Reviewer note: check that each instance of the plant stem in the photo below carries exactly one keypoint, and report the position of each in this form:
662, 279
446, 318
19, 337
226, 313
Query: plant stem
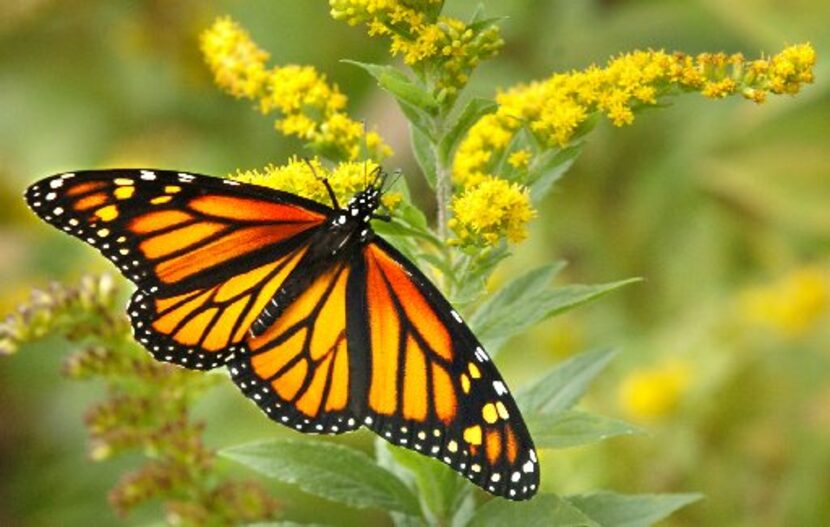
443, 193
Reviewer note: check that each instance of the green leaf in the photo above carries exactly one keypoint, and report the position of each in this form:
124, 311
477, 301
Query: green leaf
441, 489
473, 271
505, 320
544, 510
416, 103
563, 386
477, 21
514, 293
284, 524
398, 84
639, 510
470, 115
571, 428
424, 155
328, 470
551, 170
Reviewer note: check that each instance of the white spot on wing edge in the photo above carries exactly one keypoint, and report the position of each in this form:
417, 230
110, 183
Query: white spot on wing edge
500, 388
456, 316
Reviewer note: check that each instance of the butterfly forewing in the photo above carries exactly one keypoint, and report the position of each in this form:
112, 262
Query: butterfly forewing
207, 254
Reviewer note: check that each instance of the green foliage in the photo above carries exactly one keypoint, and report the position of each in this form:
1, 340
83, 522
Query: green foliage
573, 428
526, 301
607, 508
565, 384
327, 470
543, 511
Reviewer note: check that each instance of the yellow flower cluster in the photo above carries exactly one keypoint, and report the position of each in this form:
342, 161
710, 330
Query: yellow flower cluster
492, 210
793, 305
419, 35
310, 108
298, 177
654, 393
555, 109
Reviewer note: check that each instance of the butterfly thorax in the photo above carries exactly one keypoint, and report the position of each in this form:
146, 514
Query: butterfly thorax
350, 224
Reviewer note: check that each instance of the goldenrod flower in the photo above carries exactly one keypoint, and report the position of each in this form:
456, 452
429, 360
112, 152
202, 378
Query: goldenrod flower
422, 37
310, 107
653, 393
492, 210
304, 178
793, 305
555, 109
520, 158
238, 65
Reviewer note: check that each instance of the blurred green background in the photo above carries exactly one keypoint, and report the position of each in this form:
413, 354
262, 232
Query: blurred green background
722, 206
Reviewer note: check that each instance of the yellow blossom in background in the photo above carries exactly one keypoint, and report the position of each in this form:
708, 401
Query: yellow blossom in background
297, 177
493, 210
310, 108
555, 109
793, 305
421, 37
654, 393
520, 158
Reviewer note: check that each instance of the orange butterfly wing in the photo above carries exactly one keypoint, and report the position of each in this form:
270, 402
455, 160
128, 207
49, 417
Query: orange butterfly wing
207, 254
300, 370
432, 388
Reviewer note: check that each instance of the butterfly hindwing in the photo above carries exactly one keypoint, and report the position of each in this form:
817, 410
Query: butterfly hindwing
299, 370
207, 254
432, 388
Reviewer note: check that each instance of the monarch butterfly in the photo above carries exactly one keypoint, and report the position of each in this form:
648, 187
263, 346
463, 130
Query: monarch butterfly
322, 323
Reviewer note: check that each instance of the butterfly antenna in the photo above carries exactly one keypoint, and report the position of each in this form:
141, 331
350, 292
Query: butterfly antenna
365, 146
325, 182
396, 175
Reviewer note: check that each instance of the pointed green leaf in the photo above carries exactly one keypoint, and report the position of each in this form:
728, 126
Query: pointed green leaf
285, 524
537, 306
544, 510
571, 428
398, 84
424, 155
439, 487
415, 102
514, 293
563, 386
328, 470
470, 115
473, 273
638, 510
550, 170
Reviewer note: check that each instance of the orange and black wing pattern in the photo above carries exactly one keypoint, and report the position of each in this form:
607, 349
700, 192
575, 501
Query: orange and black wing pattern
300, 371
430, 385
207, 254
